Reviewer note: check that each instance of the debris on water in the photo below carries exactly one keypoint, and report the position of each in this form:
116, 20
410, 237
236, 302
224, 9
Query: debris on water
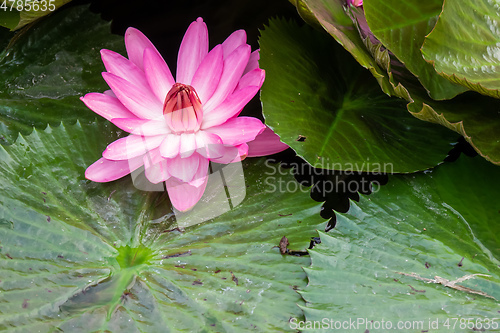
283, 246
234, 278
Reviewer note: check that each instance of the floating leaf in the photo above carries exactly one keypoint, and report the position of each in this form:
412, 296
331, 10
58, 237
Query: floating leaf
332, 112
423, 248
81, 256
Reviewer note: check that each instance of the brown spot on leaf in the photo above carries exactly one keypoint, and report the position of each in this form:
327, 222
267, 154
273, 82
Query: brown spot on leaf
427, 265
25, 303
234, 278
197, 283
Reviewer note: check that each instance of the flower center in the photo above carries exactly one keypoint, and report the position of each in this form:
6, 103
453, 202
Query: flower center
182, 109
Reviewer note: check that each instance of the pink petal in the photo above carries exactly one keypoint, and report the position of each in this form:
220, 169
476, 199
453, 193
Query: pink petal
131, 146
193, 49
120, 66
109, 92
158, 74
184, 196
253, 62
184, 169
106, 106
136, 43
209, 145
237, 38
170, 146
158, 172
142, 127
234, 65
156, 167
253, 78
201, 174
238, 130
266, 143
152, 157
232, 154
207, 76
139, 101
104, 170
231, 107
188, 144
242, 152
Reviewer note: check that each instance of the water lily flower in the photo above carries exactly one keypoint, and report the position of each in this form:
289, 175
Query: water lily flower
178, 125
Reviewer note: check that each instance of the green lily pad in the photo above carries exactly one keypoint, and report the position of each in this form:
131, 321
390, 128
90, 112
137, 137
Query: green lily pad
49, 67
81, 256
332, 112
401, 26
423, 250
464, 45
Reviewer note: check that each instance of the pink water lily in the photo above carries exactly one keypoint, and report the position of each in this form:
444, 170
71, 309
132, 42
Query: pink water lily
177, 126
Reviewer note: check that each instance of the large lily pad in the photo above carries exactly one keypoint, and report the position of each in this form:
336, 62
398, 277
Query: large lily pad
331, 111
410, 252
401, 26
464, 45
48, 67
80, 256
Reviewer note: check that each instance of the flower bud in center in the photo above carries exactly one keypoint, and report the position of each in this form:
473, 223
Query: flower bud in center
182, 109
